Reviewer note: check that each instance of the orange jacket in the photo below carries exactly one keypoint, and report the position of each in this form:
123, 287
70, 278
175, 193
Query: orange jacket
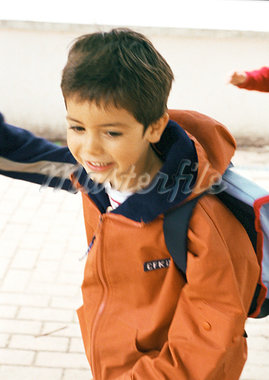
153, 325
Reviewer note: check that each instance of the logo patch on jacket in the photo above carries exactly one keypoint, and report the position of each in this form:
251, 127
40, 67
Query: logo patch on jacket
156, 264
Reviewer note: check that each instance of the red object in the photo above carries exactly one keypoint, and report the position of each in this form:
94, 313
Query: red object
257, 80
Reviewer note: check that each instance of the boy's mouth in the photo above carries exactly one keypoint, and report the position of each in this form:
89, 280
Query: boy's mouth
99, 166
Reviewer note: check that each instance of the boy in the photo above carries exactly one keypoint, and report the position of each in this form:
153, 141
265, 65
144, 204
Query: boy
141, 317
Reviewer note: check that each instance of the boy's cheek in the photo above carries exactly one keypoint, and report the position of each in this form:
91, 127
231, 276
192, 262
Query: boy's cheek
72, 149
74, 155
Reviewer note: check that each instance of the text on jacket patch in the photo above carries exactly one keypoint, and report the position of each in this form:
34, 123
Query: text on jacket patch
156, 264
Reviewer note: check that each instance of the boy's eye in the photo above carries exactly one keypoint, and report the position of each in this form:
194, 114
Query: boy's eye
113, 134
76, 128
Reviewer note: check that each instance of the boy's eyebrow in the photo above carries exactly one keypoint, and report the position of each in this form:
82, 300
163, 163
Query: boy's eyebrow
116, 124
71, 119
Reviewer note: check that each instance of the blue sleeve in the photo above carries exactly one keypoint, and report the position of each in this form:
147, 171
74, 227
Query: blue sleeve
34, 159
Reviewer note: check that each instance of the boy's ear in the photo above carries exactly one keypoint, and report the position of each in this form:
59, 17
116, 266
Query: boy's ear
155, 130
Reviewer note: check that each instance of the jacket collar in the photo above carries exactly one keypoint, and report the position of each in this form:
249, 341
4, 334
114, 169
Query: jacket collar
171, 185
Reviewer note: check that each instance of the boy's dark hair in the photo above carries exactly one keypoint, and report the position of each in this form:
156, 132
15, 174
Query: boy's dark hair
120, 67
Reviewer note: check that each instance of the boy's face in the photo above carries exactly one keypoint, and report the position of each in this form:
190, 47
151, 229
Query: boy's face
111, 144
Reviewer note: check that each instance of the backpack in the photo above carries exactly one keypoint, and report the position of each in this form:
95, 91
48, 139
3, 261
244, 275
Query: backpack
250, 204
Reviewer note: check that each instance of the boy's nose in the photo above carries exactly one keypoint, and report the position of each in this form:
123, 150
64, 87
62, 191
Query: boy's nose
92, 146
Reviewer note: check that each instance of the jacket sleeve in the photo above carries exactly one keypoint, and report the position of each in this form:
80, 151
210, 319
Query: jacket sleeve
257, 80
27, 157
205, 339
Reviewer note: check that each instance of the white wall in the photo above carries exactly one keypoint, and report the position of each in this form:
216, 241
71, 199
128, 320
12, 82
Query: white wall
33, 55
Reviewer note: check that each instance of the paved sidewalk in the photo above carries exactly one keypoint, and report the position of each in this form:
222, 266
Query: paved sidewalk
41, 241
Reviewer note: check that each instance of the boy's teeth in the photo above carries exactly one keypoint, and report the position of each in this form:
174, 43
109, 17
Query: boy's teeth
98, 163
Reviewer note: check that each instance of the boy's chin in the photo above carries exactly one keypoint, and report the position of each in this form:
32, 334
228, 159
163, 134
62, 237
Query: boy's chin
118, 182
99, 177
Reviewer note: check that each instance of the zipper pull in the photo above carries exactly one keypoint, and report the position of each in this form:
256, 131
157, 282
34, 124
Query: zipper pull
88, 250
91, 243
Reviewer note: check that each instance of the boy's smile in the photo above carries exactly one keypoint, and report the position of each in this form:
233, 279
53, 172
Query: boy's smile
111, 144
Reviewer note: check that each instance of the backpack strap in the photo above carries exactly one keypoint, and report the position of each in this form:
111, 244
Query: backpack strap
175, 228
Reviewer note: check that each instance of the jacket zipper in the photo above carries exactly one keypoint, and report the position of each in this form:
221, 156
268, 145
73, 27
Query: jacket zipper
99, 313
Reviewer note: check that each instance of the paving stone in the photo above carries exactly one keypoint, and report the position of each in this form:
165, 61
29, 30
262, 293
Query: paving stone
42, 343
16, 280
8, 247
23, 299
3, 340
21, 216
25, 259
8, 311
8, 207
13, 326
17, 357
258, 357
31, 202
71, 374
4, 264
70, 330
52, 289
255, 372
42, 225
259, 343
61, 360
71, 303
76, 345
70, 278
9, 232
32, 240
30, 373
45, 314
53, 251
257, 327
46, 271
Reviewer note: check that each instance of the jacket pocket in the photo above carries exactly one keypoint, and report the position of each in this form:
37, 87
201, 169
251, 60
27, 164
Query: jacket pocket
117, 348
235, 358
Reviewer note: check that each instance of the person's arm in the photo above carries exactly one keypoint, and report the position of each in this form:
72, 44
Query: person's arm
30, 158
257, 80
205, 339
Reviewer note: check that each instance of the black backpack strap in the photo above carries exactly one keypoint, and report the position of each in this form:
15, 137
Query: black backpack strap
175, 228
264, 309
